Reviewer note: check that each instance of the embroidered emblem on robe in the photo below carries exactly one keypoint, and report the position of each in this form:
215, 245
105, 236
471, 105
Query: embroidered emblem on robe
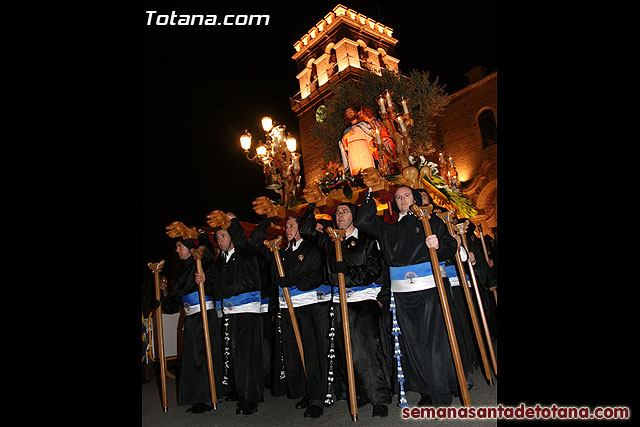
410, 276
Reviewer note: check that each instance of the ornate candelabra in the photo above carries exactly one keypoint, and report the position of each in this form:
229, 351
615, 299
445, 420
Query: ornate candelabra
399, 124
404, 121
281, 164
448, 171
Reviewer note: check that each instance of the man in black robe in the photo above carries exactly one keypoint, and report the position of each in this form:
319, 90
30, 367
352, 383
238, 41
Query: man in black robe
194, 380
457, 301
486, 277
363, 275
460, 310
427, 362
237, 283
303, 266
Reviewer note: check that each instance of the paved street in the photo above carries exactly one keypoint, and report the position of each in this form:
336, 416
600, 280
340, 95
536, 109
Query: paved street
280, 411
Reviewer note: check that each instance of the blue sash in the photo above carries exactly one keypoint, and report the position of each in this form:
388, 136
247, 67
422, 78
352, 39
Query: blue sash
359, 293
264, 305
247, 302
194, 298
243, 298
451, 271
410, 278
452, 274
300, 298
293, 290
191, 303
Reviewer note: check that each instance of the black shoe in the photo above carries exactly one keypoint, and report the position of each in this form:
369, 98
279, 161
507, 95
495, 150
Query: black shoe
425, 400
247, 409
313, 411
303, 403
380, 411
199, 408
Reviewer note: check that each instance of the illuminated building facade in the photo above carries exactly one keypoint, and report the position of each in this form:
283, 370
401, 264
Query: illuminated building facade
345, 43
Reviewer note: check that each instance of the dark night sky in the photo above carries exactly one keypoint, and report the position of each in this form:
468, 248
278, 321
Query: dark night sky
202, 86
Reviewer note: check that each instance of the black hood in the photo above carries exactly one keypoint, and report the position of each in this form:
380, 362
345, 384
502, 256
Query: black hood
353, 208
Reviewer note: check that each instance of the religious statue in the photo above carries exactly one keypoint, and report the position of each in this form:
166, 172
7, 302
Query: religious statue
384, 149
356, 143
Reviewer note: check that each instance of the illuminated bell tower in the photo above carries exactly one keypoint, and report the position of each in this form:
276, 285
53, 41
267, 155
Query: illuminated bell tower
338, 48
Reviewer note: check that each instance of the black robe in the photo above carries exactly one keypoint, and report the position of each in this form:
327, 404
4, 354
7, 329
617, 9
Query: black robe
462, 308
238, 275
364, 262
426, 355
486, 277
304, 269
194, 380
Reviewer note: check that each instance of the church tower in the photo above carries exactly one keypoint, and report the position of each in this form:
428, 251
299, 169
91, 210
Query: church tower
338, 48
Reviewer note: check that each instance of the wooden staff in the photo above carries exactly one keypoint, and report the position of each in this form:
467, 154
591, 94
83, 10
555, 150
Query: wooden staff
337, 236
155, 269
274, 246
423, 213
197, 255
472, 311
462, 229
486, 257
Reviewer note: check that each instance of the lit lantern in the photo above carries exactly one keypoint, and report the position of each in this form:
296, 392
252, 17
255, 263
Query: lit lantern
267, 123
291, 144
245, 140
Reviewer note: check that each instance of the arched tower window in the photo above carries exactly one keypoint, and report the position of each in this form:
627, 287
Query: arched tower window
313, 78
333, 63
488, 130
362, 56
382, 65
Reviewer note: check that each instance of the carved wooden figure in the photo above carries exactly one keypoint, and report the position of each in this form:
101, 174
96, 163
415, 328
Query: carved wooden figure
218, 218
264, 206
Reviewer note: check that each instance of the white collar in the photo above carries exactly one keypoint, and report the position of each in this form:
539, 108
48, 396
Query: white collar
296, 245
229, 253
354, 233
400, 216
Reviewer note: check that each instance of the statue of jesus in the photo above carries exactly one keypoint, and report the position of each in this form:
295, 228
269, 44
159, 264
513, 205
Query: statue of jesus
356, 143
